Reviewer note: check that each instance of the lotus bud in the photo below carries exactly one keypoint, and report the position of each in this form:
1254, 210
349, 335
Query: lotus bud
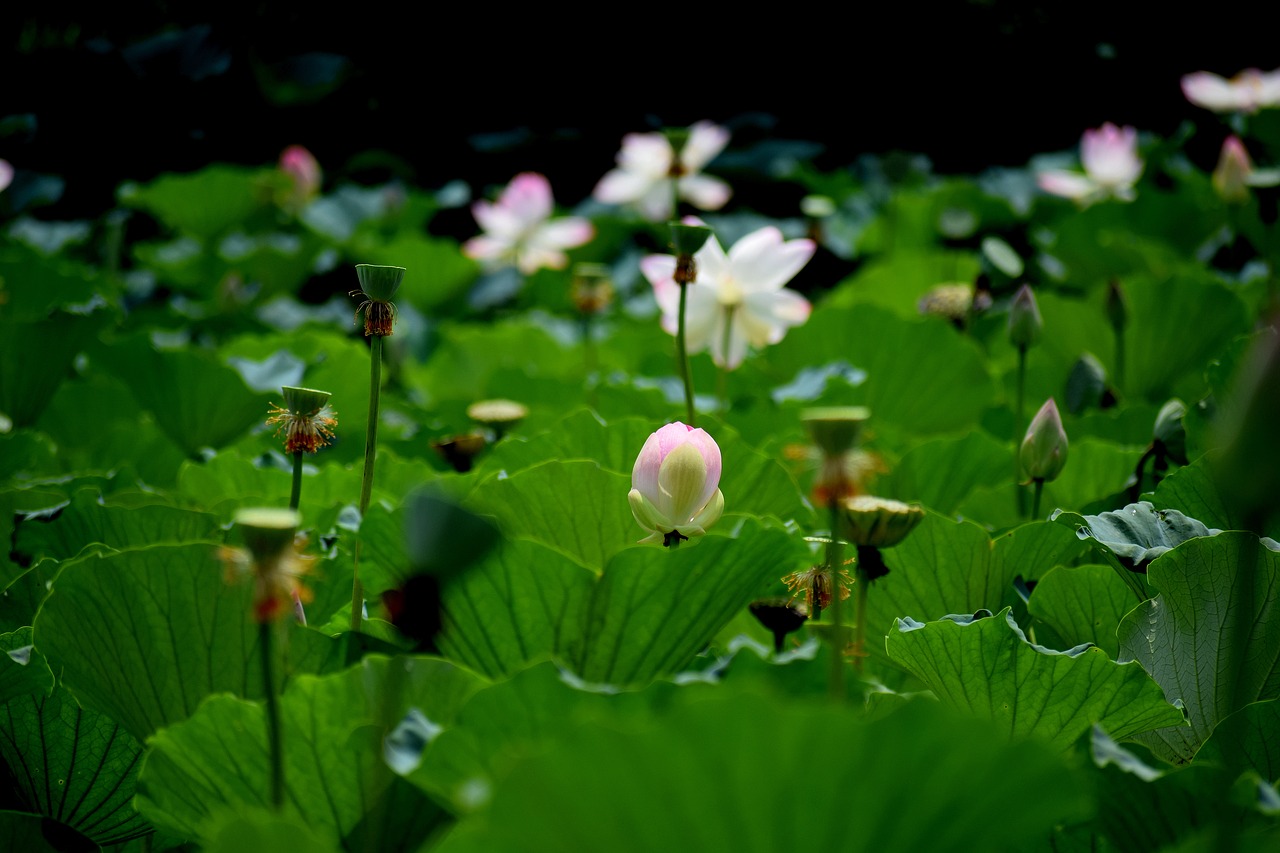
1044, 449
1087, 384
303, 169
1117, 311
1025, 325
1169, 432
675, 491
871, 522
1231, 176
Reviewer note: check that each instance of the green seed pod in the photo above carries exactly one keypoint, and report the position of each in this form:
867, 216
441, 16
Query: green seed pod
871, 522
835, 429
379, 282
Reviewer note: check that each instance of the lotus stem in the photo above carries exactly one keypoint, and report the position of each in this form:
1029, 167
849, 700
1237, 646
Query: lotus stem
296, 494
370, 457
1019, 427
860, 613
275, 746
1035, 506
835, 558
682, 358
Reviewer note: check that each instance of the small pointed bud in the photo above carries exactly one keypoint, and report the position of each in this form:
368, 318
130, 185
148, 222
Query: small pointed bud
1025, 325
1117, 310
871, 522
675, 484
1169, 431
379, 282
835, 429
1231, 176
1086, 384
1044, 449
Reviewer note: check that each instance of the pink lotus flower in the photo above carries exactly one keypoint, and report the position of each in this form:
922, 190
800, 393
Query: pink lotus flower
675, 483
1247, 92
299, 164
6, 174
650, 173
1111, 164
739, 296
519, 228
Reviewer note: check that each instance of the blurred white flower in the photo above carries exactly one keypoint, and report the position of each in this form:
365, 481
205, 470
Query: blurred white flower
519, 229
1111, 163
740, 295
1247, 92
650, 173
6, 174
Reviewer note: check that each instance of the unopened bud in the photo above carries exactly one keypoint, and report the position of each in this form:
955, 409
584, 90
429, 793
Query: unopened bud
1044, 448
1025, 324
1231, 176
1169, 431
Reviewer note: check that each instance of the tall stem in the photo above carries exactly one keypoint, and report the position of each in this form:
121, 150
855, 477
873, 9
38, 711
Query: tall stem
296, 494
370, 456
1019, 427
835, 559
860, 613
682, 357
275, 746
1035, 506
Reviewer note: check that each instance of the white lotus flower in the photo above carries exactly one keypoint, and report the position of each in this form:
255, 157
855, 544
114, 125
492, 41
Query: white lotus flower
650, 173
519, 228
6, 174
1111, 163
738, 299
1247, 92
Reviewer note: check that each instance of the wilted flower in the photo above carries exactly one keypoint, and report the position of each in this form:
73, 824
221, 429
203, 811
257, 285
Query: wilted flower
1247, 92
519, 229
6, 174
739, 296
271, 558
305, 419
303, 170
651, 172
1044, 448
1111, 164
1025, 324
378, 284
815, 584
675, 484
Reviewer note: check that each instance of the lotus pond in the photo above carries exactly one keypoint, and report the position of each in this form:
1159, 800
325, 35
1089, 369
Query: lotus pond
935, 514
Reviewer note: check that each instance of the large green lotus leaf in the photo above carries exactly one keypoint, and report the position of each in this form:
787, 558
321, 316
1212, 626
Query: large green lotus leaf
23, 670
717, 767
13, 502
522, 602
1249, 739
26, 455
1208, 639
33, 833
941, 473
1166, 354
273, 261
384, 562
654, 609
437, 271
204, 203
575, 506
260, 829
337, 782
897, 281
922, 377
468, 355
34, 359
35, 285
1193, 490
947, 566
73, 765
1083, 605
196, 400
752, 483
986, 667
96, 424
88, 521
1100, 244
145, 635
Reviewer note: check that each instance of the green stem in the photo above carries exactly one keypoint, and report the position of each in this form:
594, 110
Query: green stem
860, 613
682, 357
835, 560
370, 456
274, 744
1035, 506
1019, 427
296, 494
1120, 357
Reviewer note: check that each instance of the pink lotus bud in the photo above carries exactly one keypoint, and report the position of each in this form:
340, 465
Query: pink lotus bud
299, 164
674, 484
1044, 448
6, 174
1231, 177
1025, 324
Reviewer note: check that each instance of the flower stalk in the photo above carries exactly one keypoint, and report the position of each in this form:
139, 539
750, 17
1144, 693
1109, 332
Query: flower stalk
685, 241
378, 284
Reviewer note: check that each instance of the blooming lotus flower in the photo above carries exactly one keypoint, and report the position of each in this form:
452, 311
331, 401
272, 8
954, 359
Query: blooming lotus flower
519, 228
1247, 92
675, 484
1111, 164
651, 173
740, 295
6, 174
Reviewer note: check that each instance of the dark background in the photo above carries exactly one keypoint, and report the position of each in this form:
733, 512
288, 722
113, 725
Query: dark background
432, 93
